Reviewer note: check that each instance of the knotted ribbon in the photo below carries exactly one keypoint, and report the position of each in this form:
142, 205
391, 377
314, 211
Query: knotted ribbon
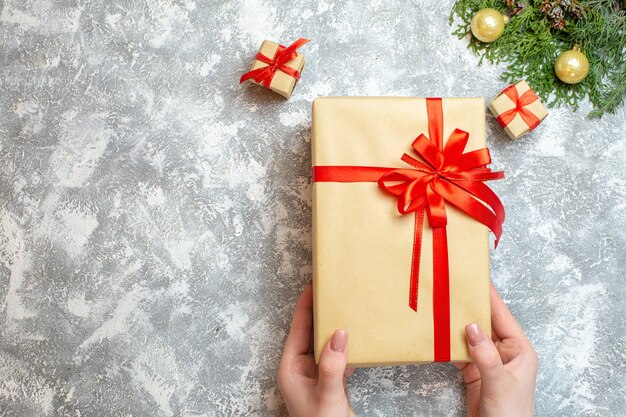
520, 108
283, 55
444, 174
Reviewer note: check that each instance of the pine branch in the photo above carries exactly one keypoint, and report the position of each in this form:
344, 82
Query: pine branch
534, 38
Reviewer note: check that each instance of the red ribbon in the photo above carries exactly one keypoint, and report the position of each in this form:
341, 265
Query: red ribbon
520, 108
444, 174
283, 55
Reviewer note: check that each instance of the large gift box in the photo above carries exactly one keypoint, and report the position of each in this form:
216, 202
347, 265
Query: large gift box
401, 217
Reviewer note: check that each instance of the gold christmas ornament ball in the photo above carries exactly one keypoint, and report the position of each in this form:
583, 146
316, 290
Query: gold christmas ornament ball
571, 66
488, 25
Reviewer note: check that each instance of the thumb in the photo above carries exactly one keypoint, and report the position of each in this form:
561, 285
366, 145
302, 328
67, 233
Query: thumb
484, 354
333, 364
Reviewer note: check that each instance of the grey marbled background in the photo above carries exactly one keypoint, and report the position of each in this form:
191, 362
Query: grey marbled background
155, 215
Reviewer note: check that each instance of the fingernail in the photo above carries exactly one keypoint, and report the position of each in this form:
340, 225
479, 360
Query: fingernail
474, 334
339, 341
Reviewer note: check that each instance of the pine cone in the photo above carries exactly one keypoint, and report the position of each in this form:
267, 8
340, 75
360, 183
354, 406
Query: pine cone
546, 6
577, 11
516, 8
557, 13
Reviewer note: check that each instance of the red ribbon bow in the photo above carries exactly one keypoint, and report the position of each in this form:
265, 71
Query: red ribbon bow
283, 55
446, 174
451, 176
520, 108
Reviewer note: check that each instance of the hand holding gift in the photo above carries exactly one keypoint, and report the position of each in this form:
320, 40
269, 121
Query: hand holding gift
309, 389
501, 381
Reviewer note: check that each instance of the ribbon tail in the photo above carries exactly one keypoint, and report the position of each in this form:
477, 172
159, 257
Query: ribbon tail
287, 54
263, 76
251, 74
470, 205
415, 263
441, 296
486, 194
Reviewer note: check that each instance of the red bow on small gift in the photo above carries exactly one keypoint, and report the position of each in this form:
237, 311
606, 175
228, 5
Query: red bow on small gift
283, 55
520, 108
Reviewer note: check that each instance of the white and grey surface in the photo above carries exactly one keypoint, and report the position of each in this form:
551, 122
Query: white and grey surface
155, 216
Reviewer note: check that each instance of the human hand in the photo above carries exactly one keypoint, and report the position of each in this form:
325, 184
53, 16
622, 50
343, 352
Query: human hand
310, 390
501, 380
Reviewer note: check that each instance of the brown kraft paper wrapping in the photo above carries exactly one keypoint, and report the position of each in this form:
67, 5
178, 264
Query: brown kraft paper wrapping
362, 246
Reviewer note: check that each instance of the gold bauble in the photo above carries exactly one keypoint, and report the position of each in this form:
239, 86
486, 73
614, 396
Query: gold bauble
571, 66
488, 25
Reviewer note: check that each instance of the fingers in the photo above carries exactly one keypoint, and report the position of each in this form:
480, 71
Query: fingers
502, 320
332, 366
513, 343
484, 354
460, 365
299, 338
494, 335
